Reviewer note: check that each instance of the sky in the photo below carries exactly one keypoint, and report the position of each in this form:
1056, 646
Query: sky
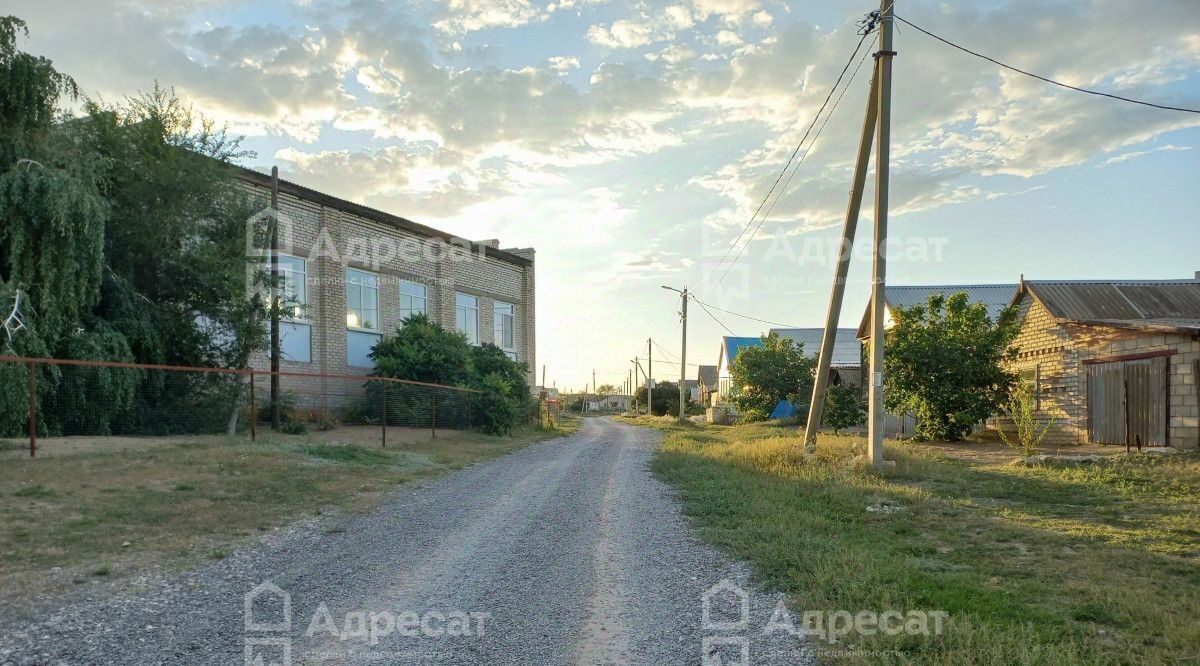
631, 143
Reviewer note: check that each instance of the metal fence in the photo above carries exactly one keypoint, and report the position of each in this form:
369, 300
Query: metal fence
68, 404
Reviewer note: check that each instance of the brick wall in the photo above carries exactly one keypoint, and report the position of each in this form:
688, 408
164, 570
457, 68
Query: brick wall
1057, 352
331, 240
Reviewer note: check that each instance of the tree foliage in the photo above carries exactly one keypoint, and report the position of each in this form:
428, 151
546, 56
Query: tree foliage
843, 408
421, 350
762, 376
945, 364
125, 231
664, 399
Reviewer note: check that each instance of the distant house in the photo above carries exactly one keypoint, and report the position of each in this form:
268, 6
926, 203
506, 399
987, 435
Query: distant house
730, 346
995, 297
1113, 362
693, 389
845, 366
706, 377
608, 403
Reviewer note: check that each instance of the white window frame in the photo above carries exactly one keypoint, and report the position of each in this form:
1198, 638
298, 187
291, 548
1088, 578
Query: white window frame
502, 310
460, 312
294, 302
361, 311
408, 302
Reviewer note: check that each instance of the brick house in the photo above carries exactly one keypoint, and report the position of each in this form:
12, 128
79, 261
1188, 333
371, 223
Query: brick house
1112, 361
354, 273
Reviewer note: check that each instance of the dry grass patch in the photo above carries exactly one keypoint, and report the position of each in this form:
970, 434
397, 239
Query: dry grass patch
113, 513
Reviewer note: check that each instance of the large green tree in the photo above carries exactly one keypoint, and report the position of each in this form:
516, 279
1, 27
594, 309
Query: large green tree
123, 233
945, 363
764, 375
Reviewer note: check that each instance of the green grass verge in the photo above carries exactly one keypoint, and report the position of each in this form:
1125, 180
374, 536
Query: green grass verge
1035, 565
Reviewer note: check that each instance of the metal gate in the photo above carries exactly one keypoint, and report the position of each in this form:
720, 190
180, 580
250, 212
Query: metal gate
1127, 401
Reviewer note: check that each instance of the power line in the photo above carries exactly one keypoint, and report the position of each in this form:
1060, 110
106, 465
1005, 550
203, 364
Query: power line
743, 316
788, 182
1040, 77
796, 151
714, 318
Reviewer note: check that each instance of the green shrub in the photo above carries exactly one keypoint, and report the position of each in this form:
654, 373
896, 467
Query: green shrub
293, 428
843, 409
495, 412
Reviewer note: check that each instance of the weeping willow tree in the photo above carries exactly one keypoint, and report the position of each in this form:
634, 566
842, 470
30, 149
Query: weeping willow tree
52, 239
52, 236
123, 228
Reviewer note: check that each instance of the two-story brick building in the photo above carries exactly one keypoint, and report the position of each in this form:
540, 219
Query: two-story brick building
353, 273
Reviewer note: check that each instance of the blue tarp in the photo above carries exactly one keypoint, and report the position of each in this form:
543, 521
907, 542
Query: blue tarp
783, 410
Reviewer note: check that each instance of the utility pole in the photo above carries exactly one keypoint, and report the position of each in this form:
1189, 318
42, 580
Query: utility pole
816, 408
275, 345
543, 376
637, 367
883, 59
649, 377
682, 352
595, 386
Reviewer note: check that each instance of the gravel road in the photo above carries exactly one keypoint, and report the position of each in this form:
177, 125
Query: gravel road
565, 552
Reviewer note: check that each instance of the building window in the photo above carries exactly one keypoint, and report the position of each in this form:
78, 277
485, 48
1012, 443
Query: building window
413, 299
292, 287
1031, 380
362, 300
466, 316
505, 324
295, 333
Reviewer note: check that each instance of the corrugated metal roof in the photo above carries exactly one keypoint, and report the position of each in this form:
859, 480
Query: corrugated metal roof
846, 348
1161, 304
995, 297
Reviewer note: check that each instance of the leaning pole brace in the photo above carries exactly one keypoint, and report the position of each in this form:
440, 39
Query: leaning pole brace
821, 381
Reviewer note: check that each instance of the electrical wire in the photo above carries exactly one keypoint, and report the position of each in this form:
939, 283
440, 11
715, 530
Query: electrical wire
796, 151
714, 318
788, 182
743, 316
1039, 76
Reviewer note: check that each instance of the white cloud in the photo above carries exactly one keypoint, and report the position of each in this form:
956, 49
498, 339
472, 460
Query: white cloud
563, 64
1141, 153
461, 16
728, 38
622, 34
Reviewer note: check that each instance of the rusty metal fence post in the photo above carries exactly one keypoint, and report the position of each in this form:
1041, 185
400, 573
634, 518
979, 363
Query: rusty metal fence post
32, 409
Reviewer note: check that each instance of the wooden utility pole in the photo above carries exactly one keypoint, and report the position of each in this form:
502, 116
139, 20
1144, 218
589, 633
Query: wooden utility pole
275, 345
816, 408
883, 60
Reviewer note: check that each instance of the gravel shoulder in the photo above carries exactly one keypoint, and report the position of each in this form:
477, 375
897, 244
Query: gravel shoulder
565, 552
